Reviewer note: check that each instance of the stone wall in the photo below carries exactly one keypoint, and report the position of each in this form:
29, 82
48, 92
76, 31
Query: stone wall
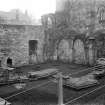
76, 51
76, 19
14, 42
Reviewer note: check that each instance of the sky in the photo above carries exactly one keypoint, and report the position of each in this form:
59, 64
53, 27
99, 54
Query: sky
35, 8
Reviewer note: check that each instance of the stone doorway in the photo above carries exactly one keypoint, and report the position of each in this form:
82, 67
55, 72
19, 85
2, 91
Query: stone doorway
9, 62
33, 44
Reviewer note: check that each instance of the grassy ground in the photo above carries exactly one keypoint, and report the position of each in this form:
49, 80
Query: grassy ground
48, 95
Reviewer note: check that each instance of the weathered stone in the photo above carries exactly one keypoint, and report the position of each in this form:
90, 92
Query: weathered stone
91, 54
79, 52
15, 39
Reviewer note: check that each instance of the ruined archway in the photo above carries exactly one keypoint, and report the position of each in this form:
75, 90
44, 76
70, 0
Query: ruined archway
79, 52
63, 50
99, 43
100, 40
59, 45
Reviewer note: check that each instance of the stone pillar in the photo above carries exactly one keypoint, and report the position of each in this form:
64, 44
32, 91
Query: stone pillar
86, 54
91, 51
60, 90
73, 51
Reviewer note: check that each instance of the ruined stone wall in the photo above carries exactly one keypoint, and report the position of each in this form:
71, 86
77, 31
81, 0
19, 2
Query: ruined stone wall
80, 14
14, 42
76, 51
81, 17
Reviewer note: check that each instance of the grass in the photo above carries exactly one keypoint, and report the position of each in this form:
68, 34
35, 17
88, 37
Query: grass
47, 95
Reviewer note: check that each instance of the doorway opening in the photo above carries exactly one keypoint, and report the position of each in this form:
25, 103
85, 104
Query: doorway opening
33, 44
9, 62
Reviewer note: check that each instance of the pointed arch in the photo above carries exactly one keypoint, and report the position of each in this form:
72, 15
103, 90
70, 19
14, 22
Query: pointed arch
79, 52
